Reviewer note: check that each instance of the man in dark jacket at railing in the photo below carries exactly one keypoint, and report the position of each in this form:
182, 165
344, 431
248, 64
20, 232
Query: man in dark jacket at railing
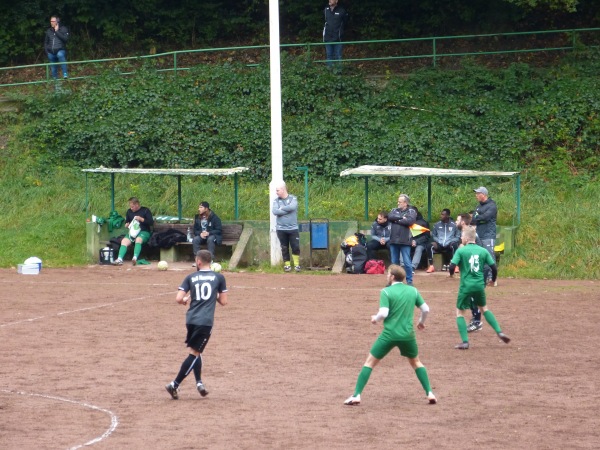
55, 45
335, 21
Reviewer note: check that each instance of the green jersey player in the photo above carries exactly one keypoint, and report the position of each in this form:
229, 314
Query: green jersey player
396, 308
471, 259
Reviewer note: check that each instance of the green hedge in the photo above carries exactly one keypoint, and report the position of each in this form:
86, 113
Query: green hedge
219, 116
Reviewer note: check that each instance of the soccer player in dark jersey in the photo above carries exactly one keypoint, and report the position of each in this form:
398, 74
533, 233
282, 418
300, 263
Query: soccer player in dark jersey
470, 259
205, 289
396, 308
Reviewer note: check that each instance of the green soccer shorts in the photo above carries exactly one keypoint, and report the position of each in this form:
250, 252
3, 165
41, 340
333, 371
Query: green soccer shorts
145, 235
464, 299
382, 347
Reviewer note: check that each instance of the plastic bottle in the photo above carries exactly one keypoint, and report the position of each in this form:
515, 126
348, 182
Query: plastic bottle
189, 234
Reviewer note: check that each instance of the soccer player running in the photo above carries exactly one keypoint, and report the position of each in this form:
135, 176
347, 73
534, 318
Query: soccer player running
396, 308
205, 289
470, 259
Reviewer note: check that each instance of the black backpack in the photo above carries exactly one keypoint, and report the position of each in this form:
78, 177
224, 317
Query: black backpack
167, 238
356, 259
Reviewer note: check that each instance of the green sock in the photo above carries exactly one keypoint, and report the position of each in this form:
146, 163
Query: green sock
122, 252
286, 263
296, 259
137, 249
363, 379
491, 319
462, 328
423, 378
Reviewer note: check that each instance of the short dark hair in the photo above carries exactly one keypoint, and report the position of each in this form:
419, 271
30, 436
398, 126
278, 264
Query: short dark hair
446, 210
466, 218
383, 214
204, 256
397, 272
134, 200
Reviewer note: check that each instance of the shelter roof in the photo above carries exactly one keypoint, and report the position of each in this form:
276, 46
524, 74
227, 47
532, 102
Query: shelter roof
397, 171
218, 172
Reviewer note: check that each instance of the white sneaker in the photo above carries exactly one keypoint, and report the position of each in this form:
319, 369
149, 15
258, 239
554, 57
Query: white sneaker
201, 389
353, 400
431, 398
117, 262
172, 390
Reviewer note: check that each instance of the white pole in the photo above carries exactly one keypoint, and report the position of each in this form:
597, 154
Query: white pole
276, 135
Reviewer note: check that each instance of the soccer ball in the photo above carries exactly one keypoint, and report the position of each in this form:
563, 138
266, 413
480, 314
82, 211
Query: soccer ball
215, 267
163, 265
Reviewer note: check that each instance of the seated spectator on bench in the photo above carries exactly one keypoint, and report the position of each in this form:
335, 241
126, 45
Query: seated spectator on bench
208, 229
420, 243
380, 235
445, 238
138, 219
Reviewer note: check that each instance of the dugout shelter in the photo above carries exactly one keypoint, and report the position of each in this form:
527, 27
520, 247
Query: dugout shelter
235, 171
429, 173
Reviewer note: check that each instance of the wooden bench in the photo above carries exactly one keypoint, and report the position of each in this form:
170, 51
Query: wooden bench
231, 233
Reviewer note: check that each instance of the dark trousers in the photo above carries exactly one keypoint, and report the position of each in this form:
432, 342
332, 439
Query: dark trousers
289, 238
374, 245
210, 242
437, 248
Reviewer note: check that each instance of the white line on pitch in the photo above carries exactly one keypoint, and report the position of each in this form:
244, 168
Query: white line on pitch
62, 313
114, 420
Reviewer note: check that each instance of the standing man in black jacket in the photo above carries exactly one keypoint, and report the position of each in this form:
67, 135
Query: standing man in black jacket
402, 218
55, 45
484, 218
335, 22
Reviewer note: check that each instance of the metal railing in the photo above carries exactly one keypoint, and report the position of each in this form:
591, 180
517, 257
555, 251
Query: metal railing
391, 50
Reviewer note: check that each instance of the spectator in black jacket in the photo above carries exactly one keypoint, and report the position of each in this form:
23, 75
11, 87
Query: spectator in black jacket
445, 238
402, 218
139, 221
380, 235
208, 229
335, 21
420, 243
55, 45
484, 218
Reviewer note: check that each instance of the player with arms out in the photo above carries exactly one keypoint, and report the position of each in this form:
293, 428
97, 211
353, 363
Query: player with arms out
471, 259
205, 289
396, 308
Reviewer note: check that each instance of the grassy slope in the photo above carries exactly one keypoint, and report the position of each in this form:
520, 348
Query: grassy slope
43, 211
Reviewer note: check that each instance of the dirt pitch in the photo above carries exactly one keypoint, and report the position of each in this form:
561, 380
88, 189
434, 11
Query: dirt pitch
85, 355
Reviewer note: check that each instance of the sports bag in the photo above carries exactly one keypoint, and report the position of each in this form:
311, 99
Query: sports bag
167, 238
356, 259
375, 267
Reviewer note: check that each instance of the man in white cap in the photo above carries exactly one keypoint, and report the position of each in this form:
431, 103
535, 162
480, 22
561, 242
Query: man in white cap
484, 218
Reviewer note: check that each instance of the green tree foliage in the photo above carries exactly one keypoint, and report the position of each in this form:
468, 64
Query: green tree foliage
101, 28
564, 5
218, 116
